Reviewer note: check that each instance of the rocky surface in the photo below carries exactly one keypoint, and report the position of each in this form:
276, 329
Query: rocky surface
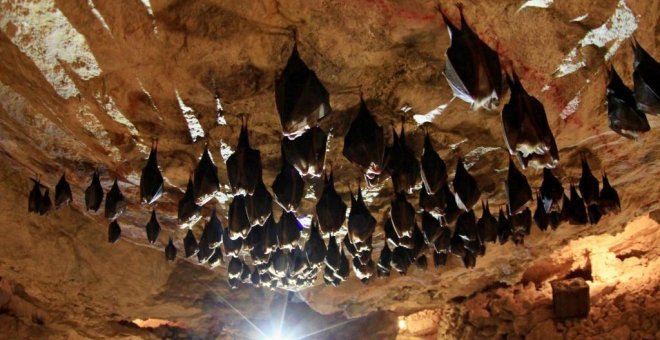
88, 84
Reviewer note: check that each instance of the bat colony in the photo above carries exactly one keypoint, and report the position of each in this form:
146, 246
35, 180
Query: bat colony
281, 254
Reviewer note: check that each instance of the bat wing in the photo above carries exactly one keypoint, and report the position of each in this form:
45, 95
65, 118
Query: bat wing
518, 191
239, 225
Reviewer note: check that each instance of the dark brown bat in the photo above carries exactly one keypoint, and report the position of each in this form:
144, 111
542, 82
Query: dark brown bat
465, 186
349, 246
271, 231
431, 228
232, 247
551, 192
46, 203
205, 252
115, 203
170, 251
384, 260
419, 244
401, 260
35, 198
332, 255
215, 258
238, 225
360, 222
344, 267
290, 229
151, 181
402, 164
521, 224
487, 225
402, 214
577, 214
190, 247
213, 232
315, 249
541, 218
255, 237
504, 228
94, 193
245, 274
206, 178
472, 68
255, 278
188, 212
63, 194
300, 262
288, 186
466, 226
451, 211
234, 268
433, 203
153, 228
364, 143
258, 252
391, 236
647, 81
518, 191
259, 205
439, 259
307, 152
526, 130
244, 165
588, 184
623, 115
330, 208
433, 168
301, 98
114, 232
469, 260
442, 244
457, 245
609, 198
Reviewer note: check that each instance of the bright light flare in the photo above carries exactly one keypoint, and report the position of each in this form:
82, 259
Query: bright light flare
402, 324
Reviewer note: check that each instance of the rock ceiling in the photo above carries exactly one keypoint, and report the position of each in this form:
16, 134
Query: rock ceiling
87, 85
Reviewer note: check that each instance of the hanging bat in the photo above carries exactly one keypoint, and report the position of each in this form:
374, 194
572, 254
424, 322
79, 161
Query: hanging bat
360, 222
521, 224
433, 203
467, 191
259, 206
258, 252
349, 246
391, 236
451, 211
216, 257
300, 262
457, 245
576, 213
290, 229
234, 268
153, 228
433, 168
206, 183
35, 198
245, 274
384, 260
307, 152
255, 237
402, 214
541, 218
589, 190
623, 115
279, 263
62, 193
469, 260
244, 165
439, 259
330, 208
114, 232
442, 244
551, 192
332, 255
190, 247
170, 251
213, 232
94, 193
188, 212
402, 164
232, 247
300, 97
288, 185
255, 278
363, 271
472, 68
233, 283
526, 130
419, 244
314, 247
272, 231
609, 198
115, 203
431, 228
518, 191
487, 225
466, 226
647, 80
329, 277
238, 225
204, 252
151, 181
46, 203
401, 260
364, 143
504, 228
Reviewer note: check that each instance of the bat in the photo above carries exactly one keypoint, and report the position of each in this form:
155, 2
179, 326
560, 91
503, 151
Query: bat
431, 228
472, 68
300, 97
206, 183
153, 228
35, 198
521, 224
588, 185
63, 194
433, 203
349, 246
442, 244
451, 211
576, 214
259, 205
114, 232
332, 255
551, 192
290, 229
400, 260
402, 165
541, 218
190, 247
188, 212
232, 247
439, 259
238, 225
235, 268
526, 131
487, 225
344, 267
244, 165
646, 77
307, 152
213, 233
46, 203
383, 266
314, 248
151, 181
609, 198
466, 226
94, 193
271, 231
205, 252
518, 191
115, 203
360, 222
433, 168
465, 186
402, 214
364, 143
330, 208
288, 185
254, 238
504, 228
457, 245
170, 251
623, 115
